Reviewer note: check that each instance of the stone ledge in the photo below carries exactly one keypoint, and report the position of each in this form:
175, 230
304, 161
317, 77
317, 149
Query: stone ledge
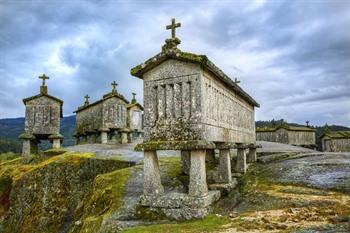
175, 200
225, 188
175, 145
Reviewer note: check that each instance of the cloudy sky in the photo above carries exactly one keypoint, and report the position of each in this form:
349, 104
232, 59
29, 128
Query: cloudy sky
293, 57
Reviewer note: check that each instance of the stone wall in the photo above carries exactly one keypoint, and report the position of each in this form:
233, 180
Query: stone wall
288, 137
226, 116
89, 119
42, 116
183, 102
336, 145
135, 118
301, 138
114, 113
172, 101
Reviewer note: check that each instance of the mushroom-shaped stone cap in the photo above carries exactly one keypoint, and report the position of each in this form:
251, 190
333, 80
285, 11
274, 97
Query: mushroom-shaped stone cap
27, 136
124, 130
56, 136
103, 130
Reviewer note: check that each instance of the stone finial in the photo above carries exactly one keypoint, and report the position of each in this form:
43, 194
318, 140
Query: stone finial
43, 87
307, 123
133, 101
87, 97
172, 43
173, 27
237, 81
114, 85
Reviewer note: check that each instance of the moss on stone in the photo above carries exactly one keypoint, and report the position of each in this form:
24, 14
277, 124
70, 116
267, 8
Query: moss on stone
210, 223
192, 57
58, 191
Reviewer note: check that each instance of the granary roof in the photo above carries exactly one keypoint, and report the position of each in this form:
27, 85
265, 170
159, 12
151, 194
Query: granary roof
170, 51
135, 104
336, 134
106, 96
48, 96
286, 127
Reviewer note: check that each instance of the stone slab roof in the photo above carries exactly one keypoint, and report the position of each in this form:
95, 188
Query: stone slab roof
135, 104
286, 127
170, 51
106, 96
337, 134
48, 96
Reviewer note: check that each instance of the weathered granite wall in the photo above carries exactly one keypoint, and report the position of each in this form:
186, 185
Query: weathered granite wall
89, 119
42, 116
114, 113
172, 101
336, 145
135, 118
301, 138
226, 117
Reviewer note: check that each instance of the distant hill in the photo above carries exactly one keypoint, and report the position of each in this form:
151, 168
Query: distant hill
11, 128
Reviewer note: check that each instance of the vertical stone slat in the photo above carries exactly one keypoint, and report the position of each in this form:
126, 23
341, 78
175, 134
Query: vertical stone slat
177, 100
185, 100
161, 102
169, 101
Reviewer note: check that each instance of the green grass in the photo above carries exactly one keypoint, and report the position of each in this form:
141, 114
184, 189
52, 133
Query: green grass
211, 223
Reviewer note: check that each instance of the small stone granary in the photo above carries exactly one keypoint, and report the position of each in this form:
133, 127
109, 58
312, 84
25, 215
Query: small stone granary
191, 106
42, 120
109, 120
304, 136
338, 141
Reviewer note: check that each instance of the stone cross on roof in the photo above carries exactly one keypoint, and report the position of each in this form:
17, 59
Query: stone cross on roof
133, 101
114, 84
237, 81
44, 77
173, 27
307, 123
87, 97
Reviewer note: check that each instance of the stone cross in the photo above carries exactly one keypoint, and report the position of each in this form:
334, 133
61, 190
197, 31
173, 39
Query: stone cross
87, 97
237, 81
44, 77
133, 101
307, 123
114, 84
173, 27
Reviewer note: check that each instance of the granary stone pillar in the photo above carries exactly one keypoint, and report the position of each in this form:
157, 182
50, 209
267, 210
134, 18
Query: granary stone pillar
185, 162
26, 137
56, 140
241, 163
152, 183
225, 175
130, 137
198, 179
104, 135
251, 158
124, 135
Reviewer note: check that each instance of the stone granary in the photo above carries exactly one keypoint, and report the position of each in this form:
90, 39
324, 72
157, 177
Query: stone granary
42, 120
109, 120
191, 106
304, 136
338, 141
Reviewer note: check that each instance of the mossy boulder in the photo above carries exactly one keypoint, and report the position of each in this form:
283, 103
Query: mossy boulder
56, 194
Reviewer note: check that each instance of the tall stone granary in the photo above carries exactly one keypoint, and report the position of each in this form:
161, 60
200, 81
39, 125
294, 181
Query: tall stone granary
192, 106
42, 120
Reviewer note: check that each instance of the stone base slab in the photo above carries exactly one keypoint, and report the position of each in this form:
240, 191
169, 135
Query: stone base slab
181, 206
